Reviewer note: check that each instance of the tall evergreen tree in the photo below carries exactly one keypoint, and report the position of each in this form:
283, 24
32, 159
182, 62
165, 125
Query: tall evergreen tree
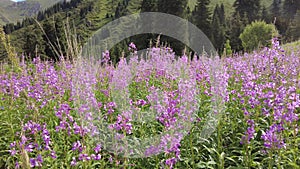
277, 18
178, 8
34, 43
275, 9
143, 41
293, 32
61, 40
218, 30
148, 6
290, 8
249, 7
201, 16
236, 28
50, 39
265, 15
222, 15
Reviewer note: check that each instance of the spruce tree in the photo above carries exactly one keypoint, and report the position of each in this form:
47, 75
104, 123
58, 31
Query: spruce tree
61, 40
148, 6
275, 9
177, 8
201, 16
293, 31
290, 8
143, 41
50, 39
218, 29
249, 7
277, 18
34, 43
222, 15
236, 28
174, 7
265, 15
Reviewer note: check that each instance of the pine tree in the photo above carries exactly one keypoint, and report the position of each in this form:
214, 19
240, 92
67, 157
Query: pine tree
51, 49
9, 28
34, 43
148, 6
143, 41
178, 8
275, 9
236, 28
249, 7
218, 29
201, 16
265, 15
61, 40
290, 8
222, 15
277, 18
293, 32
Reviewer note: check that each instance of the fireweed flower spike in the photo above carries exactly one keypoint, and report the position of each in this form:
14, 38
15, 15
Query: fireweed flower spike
69, 107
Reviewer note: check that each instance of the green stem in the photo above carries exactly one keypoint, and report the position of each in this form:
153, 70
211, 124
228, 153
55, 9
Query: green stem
191, 147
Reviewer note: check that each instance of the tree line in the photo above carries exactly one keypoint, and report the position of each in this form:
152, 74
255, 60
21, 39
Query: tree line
223, 29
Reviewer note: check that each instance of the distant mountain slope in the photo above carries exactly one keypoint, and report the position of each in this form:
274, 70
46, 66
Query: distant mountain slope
14, 11
86, 16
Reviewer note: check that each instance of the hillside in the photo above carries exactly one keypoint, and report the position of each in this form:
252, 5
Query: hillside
227, 3
15, 11
87, 16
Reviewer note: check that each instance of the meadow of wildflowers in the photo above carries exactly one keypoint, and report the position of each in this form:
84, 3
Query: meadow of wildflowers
54, 115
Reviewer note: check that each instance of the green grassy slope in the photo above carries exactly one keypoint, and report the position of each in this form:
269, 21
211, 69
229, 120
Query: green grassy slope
293, 46
8, 13
11, 12
96, 19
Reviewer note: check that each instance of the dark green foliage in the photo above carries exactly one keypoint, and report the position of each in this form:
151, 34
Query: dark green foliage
228, 48
218, 29
143, 41
8, 28
258, 34
275, 9
178, 8
88, 16
278, 18
201, 16
293, 32
34, 42
291, 20
265, 16
236, 28
149, 6
290, 8
41, 15
50, 38
250, 8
